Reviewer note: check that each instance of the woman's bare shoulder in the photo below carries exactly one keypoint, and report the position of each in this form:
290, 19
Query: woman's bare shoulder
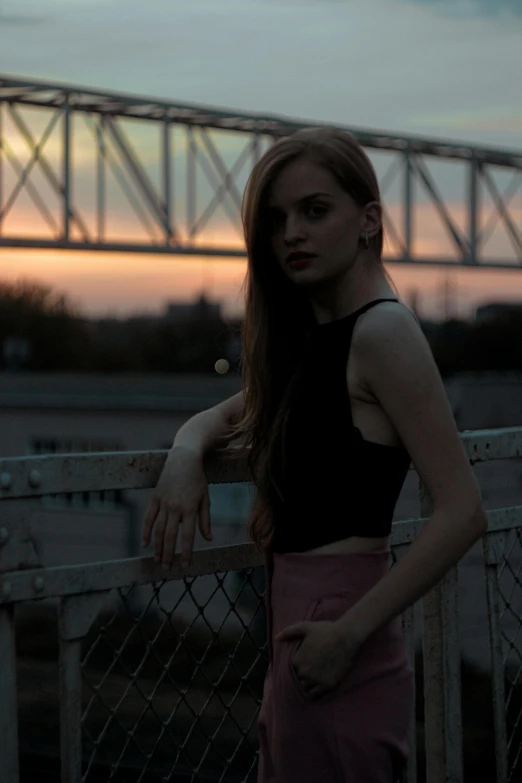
387, 313
390, 334
398, 368
383, 321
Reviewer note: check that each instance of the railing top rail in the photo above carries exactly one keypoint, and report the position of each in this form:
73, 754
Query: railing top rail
30, 477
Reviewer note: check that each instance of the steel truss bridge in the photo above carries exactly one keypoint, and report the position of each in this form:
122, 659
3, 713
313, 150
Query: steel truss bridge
75, 163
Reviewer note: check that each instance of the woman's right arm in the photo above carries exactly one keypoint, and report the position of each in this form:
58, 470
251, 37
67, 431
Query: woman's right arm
181, 494
207, 430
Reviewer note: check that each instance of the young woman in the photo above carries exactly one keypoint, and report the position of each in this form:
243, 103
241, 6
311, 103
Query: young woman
340, 394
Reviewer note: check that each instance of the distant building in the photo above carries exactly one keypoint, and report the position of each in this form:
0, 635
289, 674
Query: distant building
200, 310
490, 311
17, 352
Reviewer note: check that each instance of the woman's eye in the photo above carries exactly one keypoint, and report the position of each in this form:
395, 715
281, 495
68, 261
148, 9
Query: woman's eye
316, 210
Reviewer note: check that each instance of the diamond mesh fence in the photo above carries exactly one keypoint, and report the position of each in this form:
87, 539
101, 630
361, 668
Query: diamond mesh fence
172, 681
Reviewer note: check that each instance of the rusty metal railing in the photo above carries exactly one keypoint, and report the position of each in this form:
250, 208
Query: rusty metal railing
162, 673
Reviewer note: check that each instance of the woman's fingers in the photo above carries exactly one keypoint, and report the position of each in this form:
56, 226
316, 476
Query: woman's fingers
159, 530
170, 537
148, 522
187, 539
204, 516
180, 497
166, 525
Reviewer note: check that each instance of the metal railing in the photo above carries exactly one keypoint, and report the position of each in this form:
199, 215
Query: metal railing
161, 675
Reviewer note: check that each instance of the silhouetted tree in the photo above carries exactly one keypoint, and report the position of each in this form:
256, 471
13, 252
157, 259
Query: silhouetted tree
495, 344
448, 343
56, 333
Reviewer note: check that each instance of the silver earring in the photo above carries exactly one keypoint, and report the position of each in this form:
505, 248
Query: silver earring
366, 241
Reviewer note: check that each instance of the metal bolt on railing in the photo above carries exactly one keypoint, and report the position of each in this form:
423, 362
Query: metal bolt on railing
38, 584
5, 481
6, 590
35, 478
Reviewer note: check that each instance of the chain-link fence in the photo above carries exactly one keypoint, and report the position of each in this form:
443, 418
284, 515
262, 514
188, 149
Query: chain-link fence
173, 682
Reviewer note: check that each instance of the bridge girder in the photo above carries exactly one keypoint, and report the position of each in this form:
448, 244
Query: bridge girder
206, 134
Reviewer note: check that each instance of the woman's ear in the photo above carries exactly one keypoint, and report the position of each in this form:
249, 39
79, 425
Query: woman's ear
372, 221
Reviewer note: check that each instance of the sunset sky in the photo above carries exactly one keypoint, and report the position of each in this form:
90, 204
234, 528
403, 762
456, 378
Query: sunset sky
444, 68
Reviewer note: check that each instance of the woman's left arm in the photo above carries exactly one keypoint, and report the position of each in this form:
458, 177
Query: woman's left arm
398, 368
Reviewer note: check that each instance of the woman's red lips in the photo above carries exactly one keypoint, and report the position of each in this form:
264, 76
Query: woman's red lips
299, 259
299, 263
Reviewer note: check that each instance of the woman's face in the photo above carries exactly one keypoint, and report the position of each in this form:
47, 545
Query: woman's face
309, 213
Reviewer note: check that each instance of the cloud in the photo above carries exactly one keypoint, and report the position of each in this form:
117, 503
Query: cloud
488, 119
10, 15
487, 8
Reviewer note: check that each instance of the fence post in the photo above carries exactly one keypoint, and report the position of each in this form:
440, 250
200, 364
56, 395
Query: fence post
493, 544
9, 765
76, 615
442, 684
17, 551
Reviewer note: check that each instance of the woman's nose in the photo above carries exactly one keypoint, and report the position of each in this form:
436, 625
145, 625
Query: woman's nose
293, 229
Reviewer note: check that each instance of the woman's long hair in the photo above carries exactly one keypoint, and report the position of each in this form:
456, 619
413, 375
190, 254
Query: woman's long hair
277, 313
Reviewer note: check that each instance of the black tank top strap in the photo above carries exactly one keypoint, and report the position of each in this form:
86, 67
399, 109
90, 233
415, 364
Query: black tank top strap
346, 321
370, 304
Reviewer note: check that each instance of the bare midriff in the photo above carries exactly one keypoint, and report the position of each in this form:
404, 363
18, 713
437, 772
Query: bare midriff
353, 544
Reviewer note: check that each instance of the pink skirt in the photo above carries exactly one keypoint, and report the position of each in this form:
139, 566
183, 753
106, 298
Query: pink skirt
357, 732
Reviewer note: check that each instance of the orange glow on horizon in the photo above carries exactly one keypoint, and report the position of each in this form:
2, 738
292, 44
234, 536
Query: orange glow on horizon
124, 283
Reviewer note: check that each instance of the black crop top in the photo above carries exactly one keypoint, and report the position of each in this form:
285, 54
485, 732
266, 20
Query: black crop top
335, 484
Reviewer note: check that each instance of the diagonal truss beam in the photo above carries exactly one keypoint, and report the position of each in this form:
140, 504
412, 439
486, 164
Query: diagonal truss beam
57, 186
31, 190
157, 207
461, 243
502, 210
105, 156
225, 188
23, 173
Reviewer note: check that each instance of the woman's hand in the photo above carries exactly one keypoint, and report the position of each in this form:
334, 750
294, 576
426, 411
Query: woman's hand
180, 496
324, 656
